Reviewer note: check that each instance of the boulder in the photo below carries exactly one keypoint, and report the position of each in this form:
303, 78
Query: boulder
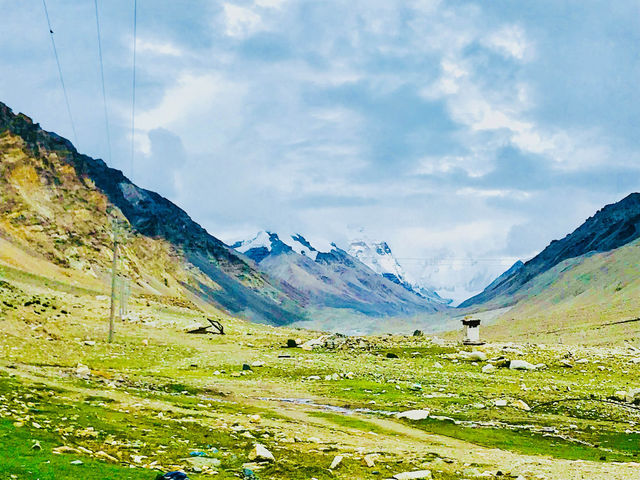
414, 414
261, 454
413, 475
522, 405
337, 460
83, 371
521, 365
475, 356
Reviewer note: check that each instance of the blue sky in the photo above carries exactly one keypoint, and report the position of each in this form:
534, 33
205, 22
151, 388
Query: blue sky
454, 130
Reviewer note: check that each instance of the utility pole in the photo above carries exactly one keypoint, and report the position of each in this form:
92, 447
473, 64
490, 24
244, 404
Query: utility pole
114, 274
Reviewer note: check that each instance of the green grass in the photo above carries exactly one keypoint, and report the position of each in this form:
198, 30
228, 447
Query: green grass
18, 458
531, 443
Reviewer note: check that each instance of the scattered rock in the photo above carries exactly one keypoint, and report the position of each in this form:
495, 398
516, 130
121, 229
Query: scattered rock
336, 461
254, 418
246, 366
522, 405
260, 453
413, 475
105, 456
257, 363
488, 368
475, 356
414, 414
370, 460
521, 365
64, 449
500, 403
82, 371
391, 355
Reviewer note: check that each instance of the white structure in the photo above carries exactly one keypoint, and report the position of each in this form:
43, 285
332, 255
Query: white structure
471, 331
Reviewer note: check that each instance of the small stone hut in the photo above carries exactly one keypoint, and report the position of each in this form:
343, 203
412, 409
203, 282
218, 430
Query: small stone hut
471, 331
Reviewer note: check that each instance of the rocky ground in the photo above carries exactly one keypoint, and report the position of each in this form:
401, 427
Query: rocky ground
246, 405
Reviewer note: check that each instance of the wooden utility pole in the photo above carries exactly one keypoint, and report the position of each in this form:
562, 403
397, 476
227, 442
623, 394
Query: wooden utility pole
114, 274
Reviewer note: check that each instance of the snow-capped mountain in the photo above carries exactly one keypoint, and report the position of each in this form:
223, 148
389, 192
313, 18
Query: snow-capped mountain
378, 257
334, 278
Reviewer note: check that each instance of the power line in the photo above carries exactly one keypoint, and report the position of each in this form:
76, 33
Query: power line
133, 87
104, 92
64, 89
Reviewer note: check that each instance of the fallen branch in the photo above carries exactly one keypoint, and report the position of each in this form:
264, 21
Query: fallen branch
216, 328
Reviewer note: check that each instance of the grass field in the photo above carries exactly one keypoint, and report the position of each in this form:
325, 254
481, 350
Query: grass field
157, 394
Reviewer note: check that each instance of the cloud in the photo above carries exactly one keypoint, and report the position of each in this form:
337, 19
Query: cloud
157, 47
510, 41
450, 129
240, 21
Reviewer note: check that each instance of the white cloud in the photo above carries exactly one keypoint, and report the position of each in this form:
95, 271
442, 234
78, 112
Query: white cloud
277, 4
510, 41
240, 21
157, 47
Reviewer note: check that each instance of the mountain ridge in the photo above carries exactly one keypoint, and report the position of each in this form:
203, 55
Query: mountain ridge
45, 180
611, 227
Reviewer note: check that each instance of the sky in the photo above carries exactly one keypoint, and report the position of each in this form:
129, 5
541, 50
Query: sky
465, 134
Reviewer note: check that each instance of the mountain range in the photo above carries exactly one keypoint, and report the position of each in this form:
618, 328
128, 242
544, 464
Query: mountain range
60, 209
335, 278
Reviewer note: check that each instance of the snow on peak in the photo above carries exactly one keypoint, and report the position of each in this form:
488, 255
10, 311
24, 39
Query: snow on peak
300, 245
267, 240
261, 240
378, 257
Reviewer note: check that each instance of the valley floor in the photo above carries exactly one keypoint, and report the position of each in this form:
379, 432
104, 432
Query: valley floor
157, 395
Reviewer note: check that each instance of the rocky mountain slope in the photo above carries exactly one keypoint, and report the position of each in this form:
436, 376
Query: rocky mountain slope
611, 227
334, 279
58, 205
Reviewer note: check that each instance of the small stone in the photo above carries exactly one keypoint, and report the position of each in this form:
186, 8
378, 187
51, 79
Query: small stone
246, 366
291, 343
36, 445
83, 371
336, 461
105, 456
370, 460
500, 403
391, 355
257, 363
488, 368
76, 462
254, 418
